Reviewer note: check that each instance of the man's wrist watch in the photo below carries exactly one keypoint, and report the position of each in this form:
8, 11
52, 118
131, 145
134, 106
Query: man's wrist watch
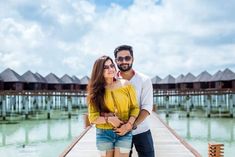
134, 127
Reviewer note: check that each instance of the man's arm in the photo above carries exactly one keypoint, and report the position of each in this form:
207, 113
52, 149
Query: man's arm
146, 104
141, 117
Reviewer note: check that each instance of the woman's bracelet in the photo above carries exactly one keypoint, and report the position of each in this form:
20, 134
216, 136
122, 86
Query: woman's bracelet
133, 127
106, 119
130, 123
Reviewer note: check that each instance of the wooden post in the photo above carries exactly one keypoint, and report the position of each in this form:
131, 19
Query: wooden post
4, 108
231, 104
215, 150
188, 104
86, 120
155, 107
26, 107
48, 103
167, 105
69, 106
208, 110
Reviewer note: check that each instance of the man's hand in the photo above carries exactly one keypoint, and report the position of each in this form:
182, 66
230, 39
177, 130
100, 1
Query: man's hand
125, 128
115, 121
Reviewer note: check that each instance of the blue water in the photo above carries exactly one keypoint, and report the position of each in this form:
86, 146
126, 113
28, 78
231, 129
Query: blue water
199, 130
39, 138
49, 138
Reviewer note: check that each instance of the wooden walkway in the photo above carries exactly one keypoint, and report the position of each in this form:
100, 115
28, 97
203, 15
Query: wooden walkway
166, 142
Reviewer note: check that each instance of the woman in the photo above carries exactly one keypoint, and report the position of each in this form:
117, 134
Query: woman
111, 104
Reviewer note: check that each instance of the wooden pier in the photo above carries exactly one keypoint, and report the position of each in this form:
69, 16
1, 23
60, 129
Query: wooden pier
166, 142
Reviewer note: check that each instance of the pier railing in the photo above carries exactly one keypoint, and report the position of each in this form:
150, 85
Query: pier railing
27, 102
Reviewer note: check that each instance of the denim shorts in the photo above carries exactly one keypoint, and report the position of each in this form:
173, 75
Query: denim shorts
107, 139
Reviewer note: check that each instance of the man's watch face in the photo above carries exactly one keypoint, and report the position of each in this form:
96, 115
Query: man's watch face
134, 127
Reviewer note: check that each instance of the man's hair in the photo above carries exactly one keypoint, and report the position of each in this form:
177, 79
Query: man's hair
123, 47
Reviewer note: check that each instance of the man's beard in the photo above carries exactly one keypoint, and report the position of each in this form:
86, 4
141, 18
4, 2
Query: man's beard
124, 67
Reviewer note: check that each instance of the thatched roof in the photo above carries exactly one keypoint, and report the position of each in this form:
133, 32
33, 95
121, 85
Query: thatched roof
53, 79
203, 77
76, 80
228, 75
217, 76
41, 78
189, 78
156, 80
9, 75
168, 80
179, 79
31, 77
67, 79
84, 80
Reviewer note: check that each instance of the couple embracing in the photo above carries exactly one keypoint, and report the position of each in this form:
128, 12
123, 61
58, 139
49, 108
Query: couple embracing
119, 103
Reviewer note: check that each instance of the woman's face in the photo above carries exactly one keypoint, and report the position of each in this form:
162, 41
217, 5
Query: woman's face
109, 69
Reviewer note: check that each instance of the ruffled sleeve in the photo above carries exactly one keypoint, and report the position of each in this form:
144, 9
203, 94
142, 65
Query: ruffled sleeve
93, 114
134, 107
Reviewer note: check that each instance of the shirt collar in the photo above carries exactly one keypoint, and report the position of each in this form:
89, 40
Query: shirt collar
120, 76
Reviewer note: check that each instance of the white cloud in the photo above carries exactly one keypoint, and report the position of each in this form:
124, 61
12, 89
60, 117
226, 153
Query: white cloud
173, 37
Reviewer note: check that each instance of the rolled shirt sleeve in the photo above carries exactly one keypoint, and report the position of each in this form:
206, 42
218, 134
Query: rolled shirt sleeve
146, 97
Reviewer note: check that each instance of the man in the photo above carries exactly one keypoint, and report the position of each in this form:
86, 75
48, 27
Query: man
142, 138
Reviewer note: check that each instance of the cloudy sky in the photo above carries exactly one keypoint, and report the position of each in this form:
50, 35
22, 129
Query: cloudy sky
168, 36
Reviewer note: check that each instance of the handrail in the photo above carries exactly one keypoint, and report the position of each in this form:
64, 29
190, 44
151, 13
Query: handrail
75, 141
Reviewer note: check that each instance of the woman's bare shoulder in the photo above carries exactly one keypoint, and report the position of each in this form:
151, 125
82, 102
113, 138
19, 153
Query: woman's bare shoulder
124, 82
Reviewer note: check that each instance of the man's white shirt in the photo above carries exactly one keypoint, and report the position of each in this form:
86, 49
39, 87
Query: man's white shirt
144, 92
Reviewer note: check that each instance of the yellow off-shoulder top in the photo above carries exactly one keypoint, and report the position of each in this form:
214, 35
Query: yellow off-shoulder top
126, 102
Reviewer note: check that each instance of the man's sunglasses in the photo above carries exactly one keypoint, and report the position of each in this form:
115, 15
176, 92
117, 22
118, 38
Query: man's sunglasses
109, 66
126, 58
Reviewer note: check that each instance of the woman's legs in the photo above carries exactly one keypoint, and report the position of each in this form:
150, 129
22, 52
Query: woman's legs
104, 142
123, 145
109, 153
121, 152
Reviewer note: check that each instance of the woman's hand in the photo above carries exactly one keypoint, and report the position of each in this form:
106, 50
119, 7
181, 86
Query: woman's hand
115, 121
125, 128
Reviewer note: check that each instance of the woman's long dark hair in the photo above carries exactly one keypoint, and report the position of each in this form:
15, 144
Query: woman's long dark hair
96, 85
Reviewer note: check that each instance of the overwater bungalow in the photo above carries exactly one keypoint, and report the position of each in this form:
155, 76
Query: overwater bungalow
223, 80
233, 82
178, 80
1, 84
32, 82
214, 81
68, 83
187, 82
227, 79
54, 83
167, 83
155, 81
84, 82
202, 81
12, 80
77, 82
44, 85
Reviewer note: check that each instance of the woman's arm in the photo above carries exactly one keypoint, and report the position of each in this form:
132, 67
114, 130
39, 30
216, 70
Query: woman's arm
113, 120
124, 128
100, 120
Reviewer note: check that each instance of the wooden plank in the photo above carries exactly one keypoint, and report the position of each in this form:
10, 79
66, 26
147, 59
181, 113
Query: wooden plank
166, 142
